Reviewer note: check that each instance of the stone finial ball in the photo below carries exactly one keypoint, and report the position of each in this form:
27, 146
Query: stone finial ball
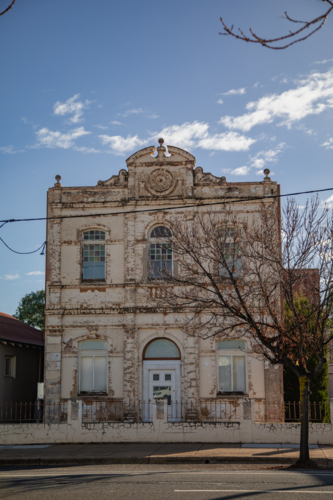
161, 140
267, 171
58, 178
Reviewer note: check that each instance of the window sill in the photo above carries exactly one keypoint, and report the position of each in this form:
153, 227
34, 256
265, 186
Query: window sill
232, 394
92, 394
89, 282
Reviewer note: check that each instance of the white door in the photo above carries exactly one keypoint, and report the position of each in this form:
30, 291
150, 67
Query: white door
162, 381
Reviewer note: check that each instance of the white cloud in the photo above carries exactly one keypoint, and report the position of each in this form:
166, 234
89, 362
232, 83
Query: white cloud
10, 277
186, 136
121, 145
35, 273
229, 141
50, 139
71, 107
220, 101
240, 171
102, 127
261, 159
8, 149
329, 201
235, 92
328, 144
312, 96
324, 61
137, 111
116, 123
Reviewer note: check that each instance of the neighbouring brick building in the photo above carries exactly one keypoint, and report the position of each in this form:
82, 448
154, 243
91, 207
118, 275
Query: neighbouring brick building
21, 361
104, 339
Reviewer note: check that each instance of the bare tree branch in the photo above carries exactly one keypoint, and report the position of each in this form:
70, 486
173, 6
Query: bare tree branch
8, 8
296, 36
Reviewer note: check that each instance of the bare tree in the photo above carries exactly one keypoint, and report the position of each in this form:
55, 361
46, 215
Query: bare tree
232, 277
8, 8
306, 29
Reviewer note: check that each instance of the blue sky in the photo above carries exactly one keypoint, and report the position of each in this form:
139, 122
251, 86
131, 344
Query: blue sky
85, 84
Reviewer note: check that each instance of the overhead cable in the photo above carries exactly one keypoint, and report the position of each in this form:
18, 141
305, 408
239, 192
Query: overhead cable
196, 205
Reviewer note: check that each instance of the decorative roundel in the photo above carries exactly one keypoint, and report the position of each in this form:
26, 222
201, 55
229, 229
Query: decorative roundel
160, 180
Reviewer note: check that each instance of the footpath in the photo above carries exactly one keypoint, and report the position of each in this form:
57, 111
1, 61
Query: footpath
159, 453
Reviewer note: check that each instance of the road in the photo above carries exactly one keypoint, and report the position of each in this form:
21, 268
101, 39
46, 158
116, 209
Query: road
156, 482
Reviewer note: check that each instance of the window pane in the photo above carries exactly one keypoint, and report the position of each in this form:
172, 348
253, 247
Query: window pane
231, 344
224, 373
86, 380
239, 373
100, 373
162, 348
8, 370
160, 232
99, 270
89, 345
88, 270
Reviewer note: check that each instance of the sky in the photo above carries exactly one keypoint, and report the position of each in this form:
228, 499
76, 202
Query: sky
86, 84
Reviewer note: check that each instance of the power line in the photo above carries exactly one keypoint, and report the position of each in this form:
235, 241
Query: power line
26, 253
148, 210
166, 208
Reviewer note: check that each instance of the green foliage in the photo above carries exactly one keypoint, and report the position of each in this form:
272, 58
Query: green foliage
319, 385
31, 309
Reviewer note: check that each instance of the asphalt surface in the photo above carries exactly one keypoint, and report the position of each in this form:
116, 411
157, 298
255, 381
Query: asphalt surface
154, 482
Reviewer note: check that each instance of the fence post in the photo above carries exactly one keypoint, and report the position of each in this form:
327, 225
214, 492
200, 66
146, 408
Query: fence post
331, 410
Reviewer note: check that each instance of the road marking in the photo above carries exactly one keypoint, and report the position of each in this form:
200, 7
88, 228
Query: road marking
139, 473
254, 491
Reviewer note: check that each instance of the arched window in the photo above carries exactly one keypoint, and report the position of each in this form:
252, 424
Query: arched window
93, 255
160, 253
161, 349
93, 359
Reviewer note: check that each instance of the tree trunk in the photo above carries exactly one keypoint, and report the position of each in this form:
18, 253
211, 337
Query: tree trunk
304, 444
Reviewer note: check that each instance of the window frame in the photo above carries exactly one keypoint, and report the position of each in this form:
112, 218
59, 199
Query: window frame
92, 242
232, 353
144, 358
155, 240
230, 239
12, 367
101, 353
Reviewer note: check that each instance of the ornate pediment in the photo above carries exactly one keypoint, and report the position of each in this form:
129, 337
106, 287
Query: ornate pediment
145, 156
120, 180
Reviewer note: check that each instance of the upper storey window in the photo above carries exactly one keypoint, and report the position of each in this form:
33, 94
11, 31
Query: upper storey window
160, 253
231, 250
93, 264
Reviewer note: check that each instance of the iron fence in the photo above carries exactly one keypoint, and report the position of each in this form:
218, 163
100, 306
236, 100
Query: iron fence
113, 411
36, 412
142, 411
205, 411
290, 411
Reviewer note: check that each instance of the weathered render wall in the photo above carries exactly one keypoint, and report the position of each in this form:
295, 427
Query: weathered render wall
117, 309
161, 431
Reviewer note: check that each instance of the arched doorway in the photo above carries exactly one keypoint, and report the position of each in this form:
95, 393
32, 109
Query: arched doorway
162, 377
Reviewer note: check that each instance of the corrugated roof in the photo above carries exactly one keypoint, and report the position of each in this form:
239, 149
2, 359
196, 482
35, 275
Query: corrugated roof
16, 331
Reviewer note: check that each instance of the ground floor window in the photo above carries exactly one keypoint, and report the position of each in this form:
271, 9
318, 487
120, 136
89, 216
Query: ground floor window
231, 360
93, 361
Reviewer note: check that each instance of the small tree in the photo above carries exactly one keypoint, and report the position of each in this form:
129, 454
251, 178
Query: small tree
233, 276
319, 390
31, 309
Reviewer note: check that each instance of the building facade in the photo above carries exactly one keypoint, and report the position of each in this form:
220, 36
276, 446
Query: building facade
21, 362
106, 338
